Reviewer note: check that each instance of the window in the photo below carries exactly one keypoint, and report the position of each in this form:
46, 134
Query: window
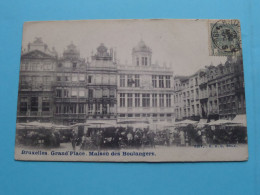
144, 61
74, 93
137, 100
74, 77
196, 81
81, 77
137, 80
154, 81
168, 100
34, 104
81, 108
98, 93
90, 93
122, 80
130, 115
89, 79
82, 93
130, 80
168, 81
66, 93
146, 100
154, 100
74, 64
137, 61
98, 109
111, 93
122, 100
161, 100
58, 109
23, 104
104, 108
122, 115
66, 109
90, 108
66, 77
45, 104
58, 78
72, 108
105, 93
161, 83
58, 93
129, 100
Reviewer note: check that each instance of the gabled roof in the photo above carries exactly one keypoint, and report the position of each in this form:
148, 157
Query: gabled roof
36, 54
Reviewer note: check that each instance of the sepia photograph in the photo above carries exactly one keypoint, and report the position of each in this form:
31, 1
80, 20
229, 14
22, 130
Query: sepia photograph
157, 90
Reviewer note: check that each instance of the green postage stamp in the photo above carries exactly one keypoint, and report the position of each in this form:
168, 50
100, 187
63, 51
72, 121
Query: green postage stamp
224, 38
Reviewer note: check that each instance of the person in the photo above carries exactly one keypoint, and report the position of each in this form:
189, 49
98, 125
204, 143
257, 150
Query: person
115, 138
83, 142
129, 138
73, 139
99, 139
167, 137
150, 136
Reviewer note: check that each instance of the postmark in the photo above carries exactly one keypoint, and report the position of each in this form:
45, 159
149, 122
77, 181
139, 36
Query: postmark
224, 38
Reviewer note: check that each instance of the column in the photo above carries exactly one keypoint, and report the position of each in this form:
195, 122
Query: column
141, 100
164, 81
39, 106
108, 109
94, 109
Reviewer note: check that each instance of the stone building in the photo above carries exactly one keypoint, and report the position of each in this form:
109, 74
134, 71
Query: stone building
231, 89
218, 92
70, 87
101, 86
186, 97
144, 90
35, 96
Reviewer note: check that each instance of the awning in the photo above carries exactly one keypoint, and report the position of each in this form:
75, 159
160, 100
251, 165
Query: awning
241, 119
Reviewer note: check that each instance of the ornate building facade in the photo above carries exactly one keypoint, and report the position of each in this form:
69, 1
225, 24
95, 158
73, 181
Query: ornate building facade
69, 90
35, 96
101, 86
70, 87
144, 89
218, 92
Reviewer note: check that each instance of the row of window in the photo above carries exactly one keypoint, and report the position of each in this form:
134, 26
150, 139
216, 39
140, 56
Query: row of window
81, 109
161, 81
187, 112
81, 92
142, 61
144, 100
132, 80
36, 66
188, 94
33, 104
99, 79
145, 115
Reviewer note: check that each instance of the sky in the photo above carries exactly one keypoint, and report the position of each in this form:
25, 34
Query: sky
180, 44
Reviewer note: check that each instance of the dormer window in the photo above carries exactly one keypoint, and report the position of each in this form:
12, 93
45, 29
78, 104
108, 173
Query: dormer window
144, 61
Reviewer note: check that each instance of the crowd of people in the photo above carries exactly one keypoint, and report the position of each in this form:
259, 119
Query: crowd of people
118, 138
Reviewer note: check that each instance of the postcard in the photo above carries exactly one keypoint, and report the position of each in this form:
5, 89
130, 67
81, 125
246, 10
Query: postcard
143, 90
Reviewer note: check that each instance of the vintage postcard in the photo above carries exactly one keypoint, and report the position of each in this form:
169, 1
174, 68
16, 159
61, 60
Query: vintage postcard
155, 90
